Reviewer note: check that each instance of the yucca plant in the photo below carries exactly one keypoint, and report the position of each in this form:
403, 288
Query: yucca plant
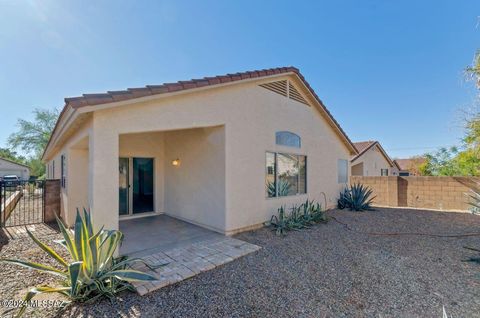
94, 271
356, 198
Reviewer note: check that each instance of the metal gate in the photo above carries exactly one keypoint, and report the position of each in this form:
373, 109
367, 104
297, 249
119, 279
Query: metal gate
21, 202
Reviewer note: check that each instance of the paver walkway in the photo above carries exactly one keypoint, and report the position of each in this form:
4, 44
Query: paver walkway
185, 262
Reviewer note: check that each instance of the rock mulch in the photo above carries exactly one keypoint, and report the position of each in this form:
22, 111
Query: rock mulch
326, 271
15, 281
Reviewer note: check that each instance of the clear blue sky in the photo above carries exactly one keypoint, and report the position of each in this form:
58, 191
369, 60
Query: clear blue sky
387, 70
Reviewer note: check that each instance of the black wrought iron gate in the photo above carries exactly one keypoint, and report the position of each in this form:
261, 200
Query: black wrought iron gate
21, 202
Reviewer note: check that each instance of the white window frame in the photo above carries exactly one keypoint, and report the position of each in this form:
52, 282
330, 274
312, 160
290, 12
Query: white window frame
276, 153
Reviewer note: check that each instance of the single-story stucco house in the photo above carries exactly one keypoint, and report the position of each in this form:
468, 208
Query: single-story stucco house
222, 152
9, 168
372, 160
409, 167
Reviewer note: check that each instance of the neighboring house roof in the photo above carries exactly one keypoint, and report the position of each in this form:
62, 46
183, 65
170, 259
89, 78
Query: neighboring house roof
14, 162
364, 146
407, 164
149, 90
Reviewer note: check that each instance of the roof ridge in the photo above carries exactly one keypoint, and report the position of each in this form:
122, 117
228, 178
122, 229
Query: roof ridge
91, 99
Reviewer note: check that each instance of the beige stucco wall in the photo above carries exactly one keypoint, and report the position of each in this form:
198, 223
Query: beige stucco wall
195, 190
373, 161
75, 194
11, 168
249, 115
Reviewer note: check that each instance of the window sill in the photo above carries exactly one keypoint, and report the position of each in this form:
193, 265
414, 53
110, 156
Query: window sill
287, 196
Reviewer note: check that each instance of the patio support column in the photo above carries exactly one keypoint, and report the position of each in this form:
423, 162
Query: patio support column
103, 175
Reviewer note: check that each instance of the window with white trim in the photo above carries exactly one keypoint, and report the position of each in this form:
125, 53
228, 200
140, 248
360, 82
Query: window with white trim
285, 174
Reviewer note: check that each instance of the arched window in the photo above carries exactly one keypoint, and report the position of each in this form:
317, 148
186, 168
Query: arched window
286, 138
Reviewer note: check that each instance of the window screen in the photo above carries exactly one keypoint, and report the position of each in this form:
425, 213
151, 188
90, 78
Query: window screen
285, 174
342, 171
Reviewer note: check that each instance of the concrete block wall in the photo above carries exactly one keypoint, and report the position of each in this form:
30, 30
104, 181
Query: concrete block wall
52, 200
440, 193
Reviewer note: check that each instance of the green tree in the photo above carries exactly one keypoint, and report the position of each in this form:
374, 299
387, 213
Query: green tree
32, 138
466, 161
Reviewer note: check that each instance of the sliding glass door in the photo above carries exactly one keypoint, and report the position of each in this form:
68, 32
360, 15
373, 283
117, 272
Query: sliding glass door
124, 186
142, 185
136, 185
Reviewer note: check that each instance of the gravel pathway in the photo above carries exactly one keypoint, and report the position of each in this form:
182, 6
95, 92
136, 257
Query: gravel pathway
326, 271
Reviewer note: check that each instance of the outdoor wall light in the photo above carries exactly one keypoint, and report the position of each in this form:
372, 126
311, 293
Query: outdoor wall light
176, 162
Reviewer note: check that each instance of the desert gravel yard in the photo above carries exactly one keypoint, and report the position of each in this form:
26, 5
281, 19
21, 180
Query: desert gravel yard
326, 271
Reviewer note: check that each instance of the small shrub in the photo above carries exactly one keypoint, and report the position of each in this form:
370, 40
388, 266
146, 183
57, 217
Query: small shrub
300, 217
94, 272
356, 198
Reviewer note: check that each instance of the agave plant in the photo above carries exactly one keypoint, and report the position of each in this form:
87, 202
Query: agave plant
94, 272
356, 198
300, 217
279, 222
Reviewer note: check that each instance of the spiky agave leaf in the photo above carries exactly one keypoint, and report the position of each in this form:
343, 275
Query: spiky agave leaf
357, 198
95, 271
300, 217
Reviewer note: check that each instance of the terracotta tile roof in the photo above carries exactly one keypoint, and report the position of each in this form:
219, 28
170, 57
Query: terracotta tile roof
407, 164
132, 93
363, 145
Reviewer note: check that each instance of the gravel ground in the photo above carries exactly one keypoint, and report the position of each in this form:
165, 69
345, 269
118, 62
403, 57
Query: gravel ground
326, 271
15, 281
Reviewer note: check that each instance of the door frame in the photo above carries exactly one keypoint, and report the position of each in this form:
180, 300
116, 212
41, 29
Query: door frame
130, 214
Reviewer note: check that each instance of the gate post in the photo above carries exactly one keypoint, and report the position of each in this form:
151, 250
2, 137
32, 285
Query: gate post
51, 200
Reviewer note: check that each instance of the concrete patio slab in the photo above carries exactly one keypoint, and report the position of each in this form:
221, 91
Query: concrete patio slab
147, 235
